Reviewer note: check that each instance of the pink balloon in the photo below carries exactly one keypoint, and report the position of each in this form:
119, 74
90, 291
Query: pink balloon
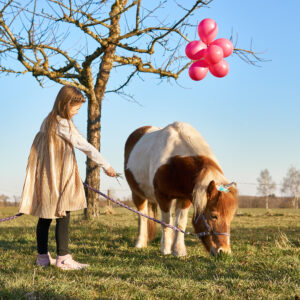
198, 70
213, 54
195, 50
207, 30
220, 69
225, 44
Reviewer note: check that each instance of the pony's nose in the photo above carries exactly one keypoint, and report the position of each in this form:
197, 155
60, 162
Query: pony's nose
224, 251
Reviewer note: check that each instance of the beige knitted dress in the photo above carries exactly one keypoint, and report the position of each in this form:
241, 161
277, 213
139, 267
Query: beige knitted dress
52, 184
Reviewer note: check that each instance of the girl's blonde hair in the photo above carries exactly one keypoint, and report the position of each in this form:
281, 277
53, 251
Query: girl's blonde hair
67, 96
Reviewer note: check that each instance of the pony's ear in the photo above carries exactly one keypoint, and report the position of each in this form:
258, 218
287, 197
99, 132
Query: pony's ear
211, 190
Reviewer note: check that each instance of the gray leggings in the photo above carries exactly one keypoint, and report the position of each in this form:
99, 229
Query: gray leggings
61, 235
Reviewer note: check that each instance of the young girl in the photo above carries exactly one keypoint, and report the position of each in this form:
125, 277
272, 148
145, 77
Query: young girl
52, 185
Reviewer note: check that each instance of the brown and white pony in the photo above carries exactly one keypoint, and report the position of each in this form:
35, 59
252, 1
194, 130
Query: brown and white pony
176, 163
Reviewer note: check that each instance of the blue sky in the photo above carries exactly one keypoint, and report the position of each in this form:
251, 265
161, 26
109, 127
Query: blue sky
250, 118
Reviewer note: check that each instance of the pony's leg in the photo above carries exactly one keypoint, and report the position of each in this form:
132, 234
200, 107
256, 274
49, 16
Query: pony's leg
142, 206
181, 212
167, 235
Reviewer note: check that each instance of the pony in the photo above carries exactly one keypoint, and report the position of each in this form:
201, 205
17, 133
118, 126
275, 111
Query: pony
174, 166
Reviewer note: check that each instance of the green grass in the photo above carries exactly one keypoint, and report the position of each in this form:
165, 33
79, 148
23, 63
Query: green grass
265, 263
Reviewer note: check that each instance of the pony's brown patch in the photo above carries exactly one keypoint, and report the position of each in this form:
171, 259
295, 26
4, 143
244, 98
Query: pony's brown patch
176, 179
151, 228
136, 190
183, 203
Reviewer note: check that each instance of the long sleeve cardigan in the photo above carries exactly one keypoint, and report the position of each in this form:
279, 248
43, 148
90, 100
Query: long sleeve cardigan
52, 183
78, 141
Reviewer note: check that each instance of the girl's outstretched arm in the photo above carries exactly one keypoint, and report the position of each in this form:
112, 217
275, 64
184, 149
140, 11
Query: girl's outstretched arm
72, 135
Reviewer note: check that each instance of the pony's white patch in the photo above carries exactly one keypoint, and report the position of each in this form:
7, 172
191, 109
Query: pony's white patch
179, 248
142, 238
167, 236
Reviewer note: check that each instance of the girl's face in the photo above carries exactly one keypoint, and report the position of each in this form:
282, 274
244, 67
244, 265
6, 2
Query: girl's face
74, 109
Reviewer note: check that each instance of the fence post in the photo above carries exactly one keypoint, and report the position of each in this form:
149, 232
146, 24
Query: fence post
108, 194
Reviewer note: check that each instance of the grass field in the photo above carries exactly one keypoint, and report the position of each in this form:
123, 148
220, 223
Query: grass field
265, 263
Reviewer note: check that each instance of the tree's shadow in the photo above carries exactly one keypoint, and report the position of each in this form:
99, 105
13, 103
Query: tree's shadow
30, 294
16, 240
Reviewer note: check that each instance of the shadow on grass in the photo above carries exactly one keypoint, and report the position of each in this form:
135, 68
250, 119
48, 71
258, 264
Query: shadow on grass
12, 238
30, 295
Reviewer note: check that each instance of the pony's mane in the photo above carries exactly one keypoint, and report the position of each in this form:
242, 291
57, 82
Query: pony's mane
204, 178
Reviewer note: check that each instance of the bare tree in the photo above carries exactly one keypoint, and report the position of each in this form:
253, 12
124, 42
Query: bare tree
291, 185
3, 199
266, 185
16, 200
83, 42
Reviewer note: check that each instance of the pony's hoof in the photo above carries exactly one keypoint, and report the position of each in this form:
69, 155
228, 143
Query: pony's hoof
178, 253
166, 251
140, 245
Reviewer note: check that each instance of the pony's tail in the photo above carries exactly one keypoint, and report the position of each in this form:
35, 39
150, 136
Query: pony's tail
151, 225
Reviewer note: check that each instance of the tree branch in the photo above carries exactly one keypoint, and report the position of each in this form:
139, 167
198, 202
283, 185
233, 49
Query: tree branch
249, 56
143, 67
124, 84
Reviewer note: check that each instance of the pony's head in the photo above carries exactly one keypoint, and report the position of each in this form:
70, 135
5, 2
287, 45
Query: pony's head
212, 223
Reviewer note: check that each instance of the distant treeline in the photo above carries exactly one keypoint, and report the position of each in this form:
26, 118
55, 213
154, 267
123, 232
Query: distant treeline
244, 202
260, 202
8, 203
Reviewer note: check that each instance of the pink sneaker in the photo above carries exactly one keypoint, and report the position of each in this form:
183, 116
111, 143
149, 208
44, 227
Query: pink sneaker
45, 260
66, 262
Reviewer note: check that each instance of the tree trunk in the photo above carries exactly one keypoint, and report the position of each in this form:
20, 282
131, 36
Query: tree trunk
295, 202
267, 202
92, 169
95, 104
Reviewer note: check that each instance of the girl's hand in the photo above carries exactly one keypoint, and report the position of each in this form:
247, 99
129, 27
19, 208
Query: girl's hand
110, 172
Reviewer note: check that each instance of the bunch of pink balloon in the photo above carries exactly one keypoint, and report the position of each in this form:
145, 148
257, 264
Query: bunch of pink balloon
208, 53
